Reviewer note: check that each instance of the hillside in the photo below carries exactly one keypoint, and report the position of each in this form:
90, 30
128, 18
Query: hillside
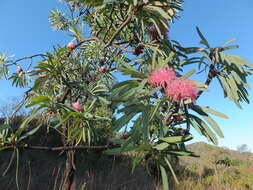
216, 169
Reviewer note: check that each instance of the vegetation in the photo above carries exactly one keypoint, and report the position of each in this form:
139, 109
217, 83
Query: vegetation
74, 95
216, 168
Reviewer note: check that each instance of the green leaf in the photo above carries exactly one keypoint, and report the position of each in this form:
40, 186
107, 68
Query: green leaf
203, 39
205, 129
58, 20
238, 59
177, 139
3, 70
209, 110
231, 47
121, 122
115, 151
143, 147
37, 100
214, 125
197, 127
228, 42
26, 122
164, 178
171, 169
10, 163
145, 123
159, 11
183, 153
155, 109
4, 126
209, 120
161, 146
188, 74
30, 133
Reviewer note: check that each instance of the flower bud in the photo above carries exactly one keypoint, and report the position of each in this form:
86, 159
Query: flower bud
71, 45
19, 69
179, 118
102, 69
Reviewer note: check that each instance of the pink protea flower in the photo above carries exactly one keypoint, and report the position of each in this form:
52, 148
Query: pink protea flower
71, 45
181, 89
162, 77
77, 105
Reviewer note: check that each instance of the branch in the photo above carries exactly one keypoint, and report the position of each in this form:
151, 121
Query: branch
63, 148
23, 58
211, 73
188, 126
21, 104
88, 39
65, 95
129, 18
122, 48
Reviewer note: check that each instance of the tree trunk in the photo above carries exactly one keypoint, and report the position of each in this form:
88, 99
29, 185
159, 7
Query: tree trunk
69, 170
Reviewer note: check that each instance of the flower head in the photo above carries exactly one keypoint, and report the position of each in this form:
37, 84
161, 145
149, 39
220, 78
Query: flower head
181, 89
162, 77
77, 106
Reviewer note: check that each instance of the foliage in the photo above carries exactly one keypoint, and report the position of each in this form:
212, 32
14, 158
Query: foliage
130, 38
227, 162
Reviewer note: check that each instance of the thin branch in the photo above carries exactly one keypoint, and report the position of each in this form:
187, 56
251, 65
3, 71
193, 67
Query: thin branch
21, 104
188, 126
211, 73
129, 18
65, 95
62, 148
110, 26
122, 48
23, 58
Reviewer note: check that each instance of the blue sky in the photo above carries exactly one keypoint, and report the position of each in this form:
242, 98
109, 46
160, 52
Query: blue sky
25, 31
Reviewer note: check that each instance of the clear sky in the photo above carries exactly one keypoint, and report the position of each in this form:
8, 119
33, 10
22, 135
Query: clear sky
25, 31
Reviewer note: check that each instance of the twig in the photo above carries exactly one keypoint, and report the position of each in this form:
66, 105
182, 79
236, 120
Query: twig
63, 148
188, 126
211, 73
23, 58
129, 18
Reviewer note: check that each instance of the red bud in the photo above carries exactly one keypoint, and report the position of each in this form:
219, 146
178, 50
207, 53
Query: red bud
179, 118
71, 45
102, 69
19, 69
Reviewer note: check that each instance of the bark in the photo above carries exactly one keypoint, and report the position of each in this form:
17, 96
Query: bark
69, 163
69, 170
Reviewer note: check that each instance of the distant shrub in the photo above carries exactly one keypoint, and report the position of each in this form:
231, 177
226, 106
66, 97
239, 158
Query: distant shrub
243, 148
227, 162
